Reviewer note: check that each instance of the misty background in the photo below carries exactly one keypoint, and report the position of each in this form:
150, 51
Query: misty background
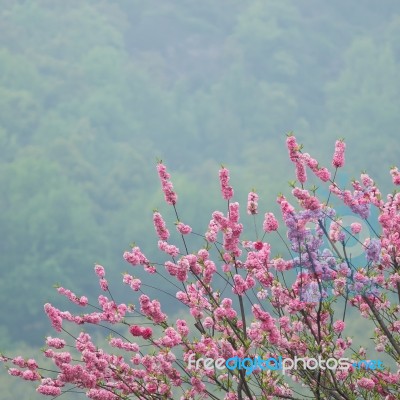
92, 93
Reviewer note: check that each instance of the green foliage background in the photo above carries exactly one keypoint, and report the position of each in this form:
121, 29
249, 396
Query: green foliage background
92, 92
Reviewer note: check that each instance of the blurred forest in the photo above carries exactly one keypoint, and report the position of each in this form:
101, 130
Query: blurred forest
93, 92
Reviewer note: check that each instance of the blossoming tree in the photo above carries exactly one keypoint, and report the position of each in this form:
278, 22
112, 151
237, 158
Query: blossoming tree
245, 304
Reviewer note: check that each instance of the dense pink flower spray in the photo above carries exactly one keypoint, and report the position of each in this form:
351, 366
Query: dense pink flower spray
355, 227
252, 203
301, 171
227, 191
183, 229
159, 225
270, 223
293, 148
395, 175
338, 156
235, 323
167, 187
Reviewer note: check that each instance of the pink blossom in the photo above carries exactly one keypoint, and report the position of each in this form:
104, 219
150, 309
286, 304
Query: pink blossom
263, 316
286, 207
338, 156
120, 344
270, 223
395, 175
29, 375
166, 185
152, 309
49, 390
366, 383
198, 385
181, 327
312, 163
99, 271
19, 361
341, 375
183, 229
55, 342
226, 268
160, 226
283, 321
380, 347
240, 284
208, 322
14, 372
32, 364
323, 174
335, 231
135, 330
234, 212
103, 284
252, 203
262, 294
170, 249
134, 283
227, 191
101, 394
211, 234
258, 245
338, 326
355, 228
147, 333
81, 301
301, 171
293, 148
54, 316
366, 180
136, 257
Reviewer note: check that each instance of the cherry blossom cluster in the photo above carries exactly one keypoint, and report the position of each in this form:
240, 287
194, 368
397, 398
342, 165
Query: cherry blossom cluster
167, 187
252, 203
226, 189
243, 299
